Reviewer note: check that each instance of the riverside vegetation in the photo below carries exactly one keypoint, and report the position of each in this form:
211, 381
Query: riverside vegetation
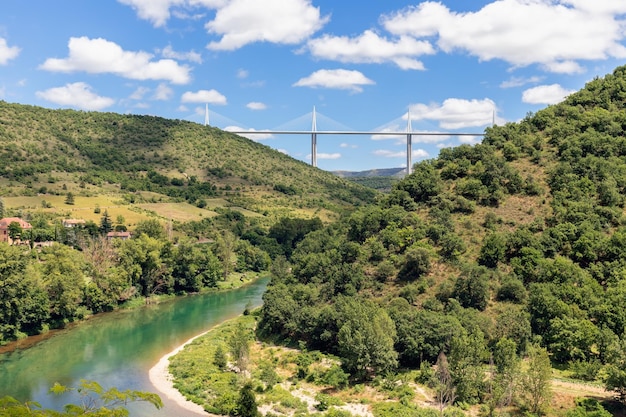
476, 280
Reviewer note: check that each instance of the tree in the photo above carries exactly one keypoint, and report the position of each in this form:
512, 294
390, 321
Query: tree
536, 389
150, 227
15, 231
421, 334
513, 290
616, 374
250, 258
445, 391
219, 358
106, 225
288, 232
226, 243
467, 355
239, 344
588, 407
147, 263
416, 265
1, 208
471, 289
247, 402
366, 338
22, 297
280, 269
194, 266
69, 199
95, 401
62, 272
504, 379
492, 251
268, 374
423, 183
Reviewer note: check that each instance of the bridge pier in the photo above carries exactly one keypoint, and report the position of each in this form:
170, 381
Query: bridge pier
409, 154
314, 140
409, 144
314, 149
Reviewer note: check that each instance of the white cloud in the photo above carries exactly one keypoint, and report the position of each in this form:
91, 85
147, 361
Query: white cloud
519, 81
204, 96
76, 95
251, 135
400, 137
545, 94
97, 56
417, 153
389, 154
469, 140
255, 105
339, 79
455, 113
564, 67
7, 52
348, 145
156, 11
598, 6
395, 128
430, 137
420, 153
163, 92
242, 73
325, 156
285, 151
139, 93
371, 48
3, 92
193, 56
555, 34
241, 22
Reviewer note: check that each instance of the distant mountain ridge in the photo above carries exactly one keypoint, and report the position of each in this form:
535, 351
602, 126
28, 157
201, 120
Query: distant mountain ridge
383, 172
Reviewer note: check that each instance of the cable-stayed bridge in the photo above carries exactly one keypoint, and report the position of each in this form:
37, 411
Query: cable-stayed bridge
314, 132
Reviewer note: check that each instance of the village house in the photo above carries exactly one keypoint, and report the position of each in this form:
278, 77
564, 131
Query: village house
4, 229
71, 223
118, 235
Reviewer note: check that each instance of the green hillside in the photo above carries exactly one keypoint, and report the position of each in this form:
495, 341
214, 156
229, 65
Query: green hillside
510, 249
46, 152
466, 283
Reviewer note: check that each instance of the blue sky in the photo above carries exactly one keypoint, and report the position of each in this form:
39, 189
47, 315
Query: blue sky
453, 65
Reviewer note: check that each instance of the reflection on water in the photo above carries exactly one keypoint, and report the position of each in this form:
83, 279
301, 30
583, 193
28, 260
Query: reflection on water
117, 349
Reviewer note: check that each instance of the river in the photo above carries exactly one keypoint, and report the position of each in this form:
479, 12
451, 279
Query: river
117, 349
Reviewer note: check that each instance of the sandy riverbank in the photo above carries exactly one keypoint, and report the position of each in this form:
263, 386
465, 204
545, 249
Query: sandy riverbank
163, 381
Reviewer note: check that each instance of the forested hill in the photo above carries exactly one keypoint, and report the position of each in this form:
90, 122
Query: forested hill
481, 253
175, 158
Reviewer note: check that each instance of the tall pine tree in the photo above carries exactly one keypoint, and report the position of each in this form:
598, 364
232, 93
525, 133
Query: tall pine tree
106, 225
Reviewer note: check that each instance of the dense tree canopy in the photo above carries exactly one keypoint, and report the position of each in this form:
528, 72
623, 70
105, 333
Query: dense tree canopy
468, 255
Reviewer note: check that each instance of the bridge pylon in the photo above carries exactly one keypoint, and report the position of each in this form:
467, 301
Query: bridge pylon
314, 140
409, 144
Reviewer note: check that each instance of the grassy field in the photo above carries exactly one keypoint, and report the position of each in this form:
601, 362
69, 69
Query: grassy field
85, 208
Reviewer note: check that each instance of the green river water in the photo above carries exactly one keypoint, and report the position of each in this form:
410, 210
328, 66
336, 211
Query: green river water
117, 349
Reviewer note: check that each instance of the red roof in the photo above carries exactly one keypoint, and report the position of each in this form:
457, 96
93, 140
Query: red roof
118, 234
4, 223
